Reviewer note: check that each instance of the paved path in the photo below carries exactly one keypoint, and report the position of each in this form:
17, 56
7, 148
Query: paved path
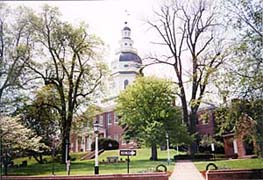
185, 170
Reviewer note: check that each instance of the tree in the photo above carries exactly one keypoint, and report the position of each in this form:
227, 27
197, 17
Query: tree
41, 119
147, 113
15, 52
17, 137
245, 18
70, 62
189, 30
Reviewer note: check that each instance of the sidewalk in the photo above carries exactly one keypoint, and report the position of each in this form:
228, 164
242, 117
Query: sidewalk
185, 170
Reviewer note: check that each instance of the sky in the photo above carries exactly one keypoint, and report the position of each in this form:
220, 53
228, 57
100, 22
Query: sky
106, 18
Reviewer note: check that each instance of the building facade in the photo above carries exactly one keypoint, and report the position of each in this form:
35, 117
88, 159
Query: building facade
125, 68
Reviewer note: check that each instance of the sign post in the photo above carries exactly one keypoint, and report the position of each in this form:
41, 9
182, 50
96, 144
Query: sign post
128, 153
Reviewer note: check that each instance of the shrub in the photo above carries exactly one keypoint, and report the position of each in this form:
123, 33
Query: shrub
106, 144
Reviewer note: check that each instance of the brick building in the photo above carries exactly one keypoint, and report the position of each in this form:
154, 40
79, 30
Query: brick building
205, 124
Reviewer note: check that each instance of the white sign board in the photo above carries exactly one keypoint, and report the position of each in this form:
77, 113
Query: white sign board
213, 147
127, 152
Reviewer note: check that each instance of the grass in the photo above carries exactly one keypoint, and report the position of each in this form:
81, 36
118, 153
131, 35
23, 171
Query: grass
138, 163
255, 163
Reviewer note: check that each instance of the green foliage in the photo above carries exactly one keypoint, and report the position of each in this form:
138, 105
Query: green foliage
206, 141
106, 144
71, 62
246, 70
147, 112
85, 119
15, 53
40, 116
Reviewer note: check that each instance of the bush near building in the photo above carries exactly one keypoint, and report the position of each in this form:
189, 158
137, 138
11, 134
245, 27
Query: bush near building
106, 144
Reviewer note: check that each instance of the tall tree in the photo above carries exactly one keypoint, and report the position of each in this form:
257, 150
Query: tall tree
69, 60
15, 51
189, 31
147, 113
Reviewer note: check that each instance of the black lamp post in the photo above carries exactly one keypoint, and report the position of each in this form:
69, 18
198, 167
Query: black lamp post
96, 131
53, 157
1, 154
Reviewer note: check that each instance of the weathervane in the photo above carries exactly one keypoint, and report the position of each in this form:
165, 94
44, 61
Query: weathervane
127, 14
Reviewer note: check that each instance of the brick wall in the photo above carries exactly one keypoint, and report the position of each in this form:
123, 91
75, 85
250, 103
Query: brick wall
205, 126
255, 174
113, 130
149, 176
240, 147
229, 148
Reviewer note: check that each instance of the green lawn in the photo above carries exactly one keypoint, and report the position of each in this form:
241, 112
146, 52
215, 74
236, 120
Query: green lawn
256, 163
139, 163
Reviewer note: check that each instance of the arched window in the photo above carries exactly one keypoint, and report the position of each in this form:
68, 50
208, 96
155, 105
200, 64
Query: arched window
126, 82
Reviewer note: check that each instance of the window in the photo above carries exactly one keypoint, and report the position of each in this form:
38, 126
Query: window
125, 44
126, 82
109, 118
204, 118
101, 119
116, 119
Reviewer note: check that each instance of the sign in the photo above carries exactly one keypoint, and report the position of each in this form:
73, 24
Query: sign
127, 152
213, 147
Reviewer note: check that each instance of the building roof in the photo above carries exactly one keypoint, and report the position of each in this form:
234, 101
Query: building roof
126, 28
129, 56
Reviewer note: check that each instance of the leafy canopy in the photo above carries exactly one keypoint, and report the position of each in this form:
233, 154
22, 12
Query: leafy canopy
147, 112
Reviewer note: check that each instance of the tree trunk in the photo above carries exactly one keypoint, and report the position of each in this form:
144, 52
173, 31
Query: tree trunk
154, 156
65, 145
192, 128
35, 156
1, 93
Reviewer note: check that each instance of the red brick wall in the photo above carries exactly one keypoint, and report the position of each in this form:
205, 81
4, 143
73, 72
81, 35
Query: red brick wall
205, 128
240, 147
73, 138
228, 146
113, 129
235, 174
149, 176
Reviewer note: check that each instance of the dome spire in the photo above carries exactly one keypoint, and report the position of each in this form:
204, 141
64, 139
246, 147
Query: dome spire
126, 41
126, 31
